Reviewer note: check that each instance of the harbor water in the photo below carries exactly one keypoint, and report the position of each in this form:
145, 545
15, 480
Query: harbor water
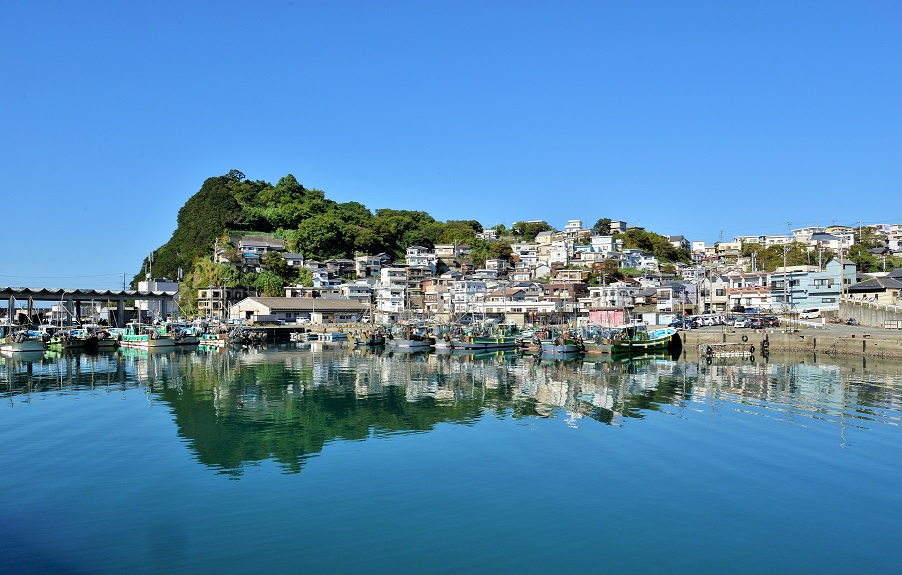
319, 458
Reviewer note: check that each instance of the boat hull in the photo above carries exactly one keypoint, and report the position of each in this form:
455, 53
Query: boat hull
30, 344
413, 343
565, 347
146, 342
485, 343
658, 340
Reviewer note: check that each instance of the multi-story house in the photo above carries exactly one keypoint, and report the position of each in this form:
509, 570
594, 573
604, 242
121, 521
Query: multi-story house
638, 259
323, 278
465, 293
215, 301
618, 227
749, 290
677, 297
728, 249
368, 266
358, 291
804, 287
420, 256
563, 276
712, 293
565, 295
613, 295
450, 252
679, 242
499, 265
802, 235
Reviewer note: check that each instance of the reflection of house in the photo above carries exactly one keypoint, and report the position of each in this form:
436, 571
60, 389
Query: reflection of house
290, 309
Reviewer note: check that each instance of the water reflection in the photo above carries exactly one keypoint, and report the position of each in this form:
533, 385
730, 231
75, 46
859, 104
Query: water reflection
238, 406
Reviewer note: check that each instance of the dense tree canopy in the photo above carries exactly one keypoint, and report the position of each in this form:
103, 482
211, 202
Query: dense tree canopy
657, 244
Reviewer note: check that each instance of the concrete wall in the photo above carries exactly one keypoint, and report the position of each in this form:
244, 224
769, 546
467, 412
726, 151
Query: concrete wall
879, 344
873, 315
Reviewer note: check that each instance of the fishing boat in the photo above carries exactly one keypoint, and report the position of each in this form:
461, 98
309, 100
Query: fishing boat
183, 334
21, 341
334, 336
106, 340
75, 338
372, 338
144, 337
635, 338
409, 337
559, 342
487, 337
443, 334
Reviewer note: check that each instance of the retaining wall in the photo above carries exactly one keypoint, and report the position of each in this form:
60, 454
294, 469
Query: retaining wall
878, 344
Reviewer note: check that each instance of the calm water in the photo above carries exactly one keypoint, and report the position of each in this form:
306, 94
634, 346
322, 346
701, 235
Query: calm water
313, 460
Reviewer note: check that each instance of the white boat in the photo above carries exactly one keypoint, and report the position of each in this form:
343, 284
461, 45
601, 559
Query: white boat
22, 341
334, 336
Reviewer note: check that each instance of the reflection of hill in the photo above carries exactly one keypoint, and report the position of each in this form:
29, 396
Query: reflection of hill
276, 411
237, 407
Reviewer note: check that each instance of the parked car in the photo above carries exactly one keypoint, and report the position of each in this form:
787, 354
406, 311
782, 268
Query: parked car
756, 323
812, 313
741, 322
683, 324
771, 321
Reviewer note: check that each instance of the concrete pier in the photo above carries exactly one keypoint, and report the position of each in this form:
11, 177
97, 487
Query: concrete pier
863, 342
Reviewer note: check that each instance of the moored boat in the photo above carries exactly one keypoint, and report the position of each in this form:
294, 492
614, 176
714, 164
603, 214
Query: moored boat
560, 342
486, 338
21, 341
76, 338
409, 337
635, 338
143, 337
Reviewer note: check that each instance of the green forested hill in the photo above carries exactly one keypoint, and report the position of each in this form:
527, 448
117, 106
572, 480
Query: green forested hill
313, 225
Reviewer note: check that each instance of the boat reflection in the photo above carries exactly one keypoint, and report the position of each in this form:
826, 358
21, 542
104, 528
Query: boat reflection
237, 406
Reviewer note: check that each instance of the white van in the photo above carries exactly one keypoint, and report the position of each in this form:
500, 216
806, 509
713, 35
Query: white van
810, 313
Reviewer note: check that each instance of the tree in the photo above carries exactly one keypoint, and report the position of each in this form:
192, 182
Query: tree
269, 284
274, 262
864, 260
608, 270
304, 277
602, 227
529, 230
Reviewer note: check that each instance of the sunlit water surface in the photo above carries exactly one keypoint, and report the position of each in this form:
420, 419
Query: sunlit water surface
332, 460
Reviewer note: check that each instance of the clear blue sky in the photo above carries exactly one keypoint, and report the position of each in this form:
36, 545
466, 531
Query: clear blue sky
684, 117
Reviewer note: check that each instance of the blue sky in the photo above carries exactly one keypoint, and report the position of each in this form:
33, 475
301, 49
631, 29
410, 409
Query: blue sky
690, 118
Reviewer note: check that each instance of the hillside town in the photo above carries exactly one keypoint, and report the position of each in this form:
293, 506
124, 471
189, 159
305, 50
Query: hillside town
561, 276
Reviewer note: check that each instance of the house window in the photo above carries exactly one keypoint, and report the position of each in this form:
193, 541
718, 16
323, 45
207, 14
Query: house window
828, 300
826, 282
721, 292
